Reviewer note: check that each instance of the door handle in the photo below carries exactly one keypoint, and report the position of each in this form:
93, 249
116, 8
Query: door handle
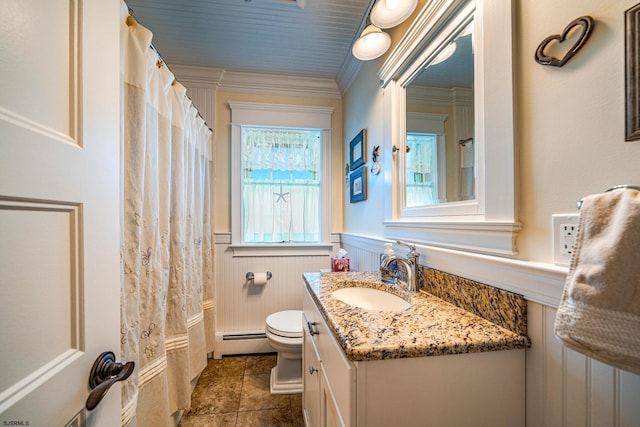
105, 372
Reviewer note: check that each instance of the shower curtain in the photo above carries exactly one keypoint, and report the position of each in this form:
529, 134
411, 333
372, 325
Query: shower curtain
167, 254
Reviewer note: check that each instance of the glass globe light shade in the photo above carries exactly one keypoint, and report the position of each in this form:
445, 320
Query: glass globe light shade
371, 44
445, 53
389, 13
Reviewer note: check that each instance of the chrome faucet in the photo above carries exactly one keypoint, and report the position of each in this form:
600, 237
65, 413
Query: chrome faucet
409, 263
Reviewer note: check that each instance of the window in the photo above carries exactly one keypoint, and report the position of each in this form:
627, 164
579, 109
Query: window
281, 182
280, 179
422, 169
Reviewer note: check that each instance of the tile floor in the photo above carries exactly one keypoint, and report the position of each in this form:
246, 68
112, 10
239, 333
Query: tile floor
234, 391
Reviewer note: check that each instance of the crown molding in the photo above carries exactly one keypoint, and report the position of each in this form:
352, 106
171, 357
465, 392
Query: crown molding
279, 85
271, 84
422, 95
425, 95
194, 76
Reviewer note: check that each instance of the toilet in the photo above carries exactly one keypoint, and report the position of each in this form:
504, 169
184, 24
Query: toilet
284, 333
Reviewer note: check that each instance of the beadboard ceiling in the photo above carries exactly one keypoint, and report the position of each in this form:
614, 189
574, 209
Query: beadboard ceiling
302, 38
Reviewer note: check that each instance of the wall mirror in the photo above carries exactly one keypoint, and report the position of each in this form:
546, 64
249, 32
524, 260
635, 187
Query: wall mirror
439, 158
448, 97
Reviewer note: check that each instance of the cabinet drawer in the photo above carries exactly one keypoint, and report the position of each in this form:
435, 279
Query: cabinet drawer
340, 372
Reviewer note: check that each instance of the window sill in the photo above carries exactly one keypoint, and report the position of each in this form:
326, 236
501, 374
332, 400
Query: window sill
289, 249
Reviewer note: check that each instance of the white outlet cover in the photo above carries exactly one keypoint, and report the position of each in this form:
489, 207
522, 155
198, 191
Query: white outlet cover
564, 228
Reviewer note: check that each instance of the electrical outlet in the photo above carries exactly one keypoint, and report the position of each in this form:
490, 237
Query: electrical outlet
565, 228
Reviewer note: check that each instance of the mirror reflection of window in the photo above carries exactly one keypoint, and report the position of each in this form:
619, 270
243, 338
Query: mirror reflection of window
445, 86
422, 167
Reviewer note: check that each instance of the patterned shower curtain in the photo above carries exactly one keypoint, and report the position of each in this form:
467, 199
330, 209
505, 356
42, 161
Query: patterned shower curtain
167, 255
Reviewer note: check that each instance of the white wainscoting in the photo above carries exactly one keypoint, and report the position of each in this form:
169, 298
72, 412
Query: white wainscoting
242, 307
563, 387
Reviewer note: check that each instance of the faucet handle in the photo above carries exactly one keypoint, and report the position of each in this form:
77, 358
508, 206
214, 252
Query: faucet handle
413, 255
412, 248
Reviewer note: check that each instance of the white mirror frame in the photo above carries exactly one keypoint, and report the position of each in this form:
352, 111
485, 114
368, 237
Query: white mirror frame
488, 223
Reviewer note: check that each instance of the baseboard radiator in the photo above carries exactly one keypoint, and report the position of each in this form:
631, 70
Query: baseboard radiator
241, 343
238, 337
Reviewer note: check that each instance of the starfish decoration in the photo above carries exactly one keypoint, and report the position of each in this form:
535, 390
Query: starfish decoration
281, 195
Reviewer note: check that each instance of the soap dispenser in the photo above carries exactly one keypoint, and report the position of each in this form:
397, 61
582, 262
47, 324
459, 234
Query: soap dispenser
389, 274
388, 251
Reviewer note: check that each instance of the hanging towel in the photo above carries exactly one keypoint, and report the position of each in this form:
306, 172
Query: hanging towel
467, 158
599, 314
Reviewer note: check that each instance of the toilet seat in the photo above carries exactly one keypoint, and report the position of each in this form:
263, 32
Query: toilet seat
287, 324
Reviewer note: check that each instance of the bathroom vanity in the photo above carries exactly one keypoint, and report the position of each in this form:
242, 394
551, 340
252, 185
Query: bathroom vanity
431, 364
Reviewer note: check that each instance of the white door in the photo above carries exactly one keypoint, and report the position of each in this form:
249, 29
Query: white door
59, 192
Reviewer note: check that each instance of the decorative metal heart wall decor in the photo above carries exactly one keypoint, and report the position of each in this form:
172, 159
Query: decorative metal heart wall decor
585, 22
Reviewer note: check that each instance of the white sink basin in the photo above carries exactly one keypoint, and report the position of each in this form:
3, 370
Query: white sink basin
371, 299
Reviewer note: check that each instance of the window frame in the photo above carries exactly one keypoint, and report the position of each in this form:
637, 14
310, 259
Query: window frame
439, 180
283, 116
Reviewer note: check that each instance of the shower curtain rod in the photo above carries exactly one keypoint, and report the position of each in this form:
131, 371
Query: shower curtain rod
161, 59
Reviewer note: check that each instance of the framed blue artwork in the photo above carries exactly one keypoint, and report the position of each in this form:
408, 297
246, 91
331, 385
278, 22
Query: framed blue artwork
358, 185
358, 149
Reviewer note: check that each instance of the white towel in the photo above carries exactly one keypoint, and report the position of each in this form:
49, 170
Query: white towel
599, 314
467, 155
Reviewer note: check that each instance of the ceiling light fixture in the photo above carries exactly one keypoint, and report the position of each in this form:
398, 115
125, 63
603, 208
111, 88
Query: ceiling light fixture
372, 43
389, 13
445, 53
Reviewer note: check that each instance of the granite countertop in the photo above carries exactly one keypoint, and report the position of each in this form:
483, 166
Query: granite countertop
430, 327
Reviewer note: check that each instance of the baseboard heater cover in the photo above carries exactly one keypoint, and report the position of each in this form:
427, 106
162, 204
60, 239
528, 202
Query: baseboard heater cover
237, 337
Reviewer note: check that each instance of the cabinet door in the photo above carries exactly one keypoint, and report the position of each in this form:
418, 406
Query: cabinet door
329, 412
311, 380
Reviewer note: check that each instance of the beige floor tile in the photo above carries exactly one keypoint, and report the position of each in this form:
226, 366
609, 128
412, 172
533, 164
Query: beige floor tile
260, 364
210, 420
296, 401
280, 417
226, 367
221, 394
256, 395
296, 410
235, 391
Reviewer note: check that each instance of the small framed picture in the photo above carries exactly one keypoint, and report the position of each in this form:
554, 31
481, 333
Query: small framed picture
358, 188
358, 149
632, 82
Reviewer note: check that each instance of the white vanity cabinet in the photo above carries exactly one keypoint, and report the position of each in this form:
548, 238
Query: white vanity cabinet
460, 390
329, 378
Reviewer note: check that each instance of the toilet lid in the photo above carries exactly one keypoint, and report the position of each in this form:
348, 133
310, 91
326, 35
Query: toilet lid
286, 323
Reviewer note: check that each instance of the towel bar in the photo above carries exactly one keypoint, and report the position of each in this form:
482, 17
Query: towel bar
617, 187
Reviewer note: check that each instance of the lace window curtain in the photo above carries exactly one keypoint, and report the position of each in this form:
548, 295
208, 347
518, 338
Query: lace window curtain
281, 185
422, 171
